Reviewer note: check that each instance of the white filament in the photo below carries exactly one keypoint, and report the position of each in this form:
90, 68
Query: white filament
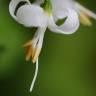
35, 76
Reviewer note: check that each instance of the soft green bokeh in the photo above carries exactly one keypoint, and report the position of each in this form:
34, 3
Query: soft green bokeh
66, 65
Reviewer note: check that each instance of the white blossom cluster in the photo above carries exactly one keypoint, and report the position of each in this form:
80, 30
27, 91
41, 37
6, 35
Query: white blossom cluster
45, 14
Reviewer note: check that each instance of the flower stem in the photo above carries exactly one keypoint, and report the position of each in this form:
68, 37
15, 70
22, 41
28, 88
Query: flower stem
47, 6
35, 76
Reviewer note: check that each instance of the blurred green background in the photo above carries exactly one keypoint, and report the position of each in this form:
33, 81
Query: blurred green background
67, 64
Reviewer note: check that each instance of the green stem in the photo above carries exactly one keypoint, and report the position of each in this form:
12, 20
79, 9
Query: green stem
47, 6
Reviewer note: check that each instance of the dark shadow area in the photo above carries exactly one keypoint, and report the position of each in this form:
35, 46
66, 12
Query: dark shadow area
2, 49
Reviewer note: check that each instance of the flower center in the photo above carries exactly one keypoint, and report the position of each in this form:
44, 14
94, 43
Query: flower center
47, 6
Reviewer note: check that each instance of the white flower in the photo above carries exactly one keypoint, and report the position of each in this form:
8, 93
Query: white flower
83, 13
43, 14
32, 15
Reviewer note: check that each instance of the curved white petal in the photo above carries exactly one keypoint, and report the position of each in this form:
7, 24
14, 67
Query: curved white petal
12, 7
32, 15
70, 25
59, 7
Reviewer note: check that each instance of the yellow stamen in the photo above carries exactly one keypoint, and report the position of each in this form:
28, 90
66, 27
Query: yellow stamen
28, 53
36, 54
31, 52
28, 43
85, 19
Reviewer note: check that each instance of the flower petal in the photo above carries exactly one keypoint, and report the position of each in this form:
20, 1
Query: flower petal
70, 25
32, 15
12, 6
59, 7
